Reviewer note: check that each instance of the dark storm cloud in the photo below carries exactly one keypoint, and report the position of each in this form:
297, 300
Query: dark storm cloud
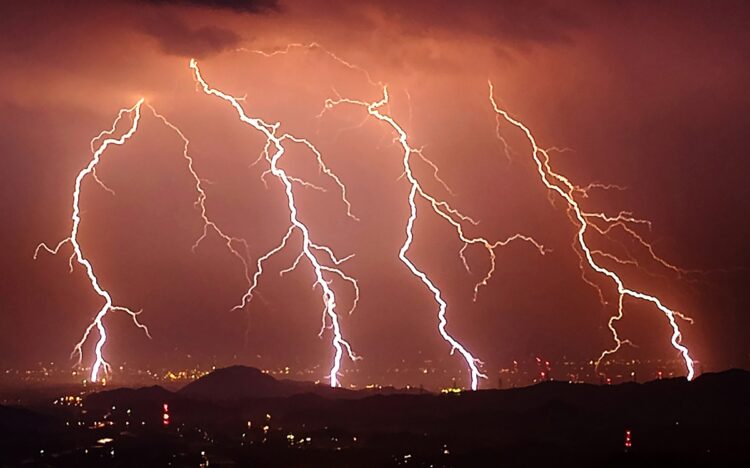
239, 6
176, 37
533, 21
515, 23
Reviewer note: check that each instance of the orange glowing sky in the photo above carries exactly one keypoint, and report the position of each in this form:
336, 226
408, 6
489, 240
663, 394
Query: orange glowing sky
650, 97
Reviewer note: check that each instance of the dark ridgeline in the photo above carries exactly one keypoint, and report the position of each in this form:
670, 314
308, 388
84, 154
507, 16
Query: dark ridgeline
241, 382
243, 416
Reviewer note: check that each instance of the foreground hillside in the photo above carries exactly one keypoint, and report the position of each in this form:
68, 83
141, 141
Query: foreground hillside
243, 417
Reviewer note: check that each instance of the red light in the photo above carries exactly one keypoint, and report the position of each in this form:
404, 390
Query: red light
165, 416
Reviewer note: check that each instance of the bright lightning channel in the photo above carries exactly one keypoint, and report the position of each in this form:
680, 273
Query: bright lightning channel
440, 207
555, 183
559, 184
445, 211
276, 141
100, 363
208, 225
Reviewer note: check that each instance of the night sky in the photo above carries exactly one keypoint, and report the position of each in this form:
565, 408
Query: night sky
651, 96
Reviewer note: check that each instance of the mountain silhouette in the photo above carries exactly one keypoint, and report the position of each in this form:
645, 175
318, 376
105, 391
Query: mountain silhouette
241, 382
673, 422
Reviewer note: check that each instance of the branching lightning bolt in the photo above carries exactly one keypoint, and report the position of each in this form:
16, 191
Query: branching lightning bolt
559, 184
326, 265
340, 345
200, 203
208, 225
100, 363
442, 209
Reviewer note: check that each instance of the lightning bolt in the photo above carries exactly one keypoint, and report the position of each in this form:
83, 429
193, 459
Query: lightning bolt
325, 264
314, 46
209, 225
98, 322
454, 217
275, 141
558, 184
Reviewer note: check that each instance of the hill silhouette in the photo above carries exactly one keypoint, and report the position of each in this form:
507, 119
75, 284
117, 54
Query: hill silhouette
241, 382
674, 423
